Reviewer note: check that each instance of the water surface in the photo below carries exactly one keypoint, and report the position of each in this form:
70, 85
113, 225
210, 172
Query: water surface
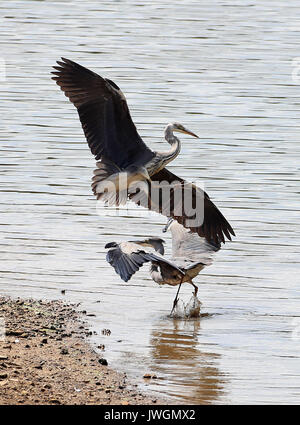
222, 69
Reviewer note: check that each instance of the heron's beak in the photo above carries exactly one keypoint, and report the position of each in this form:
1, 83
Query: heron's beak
165, 229
185, 131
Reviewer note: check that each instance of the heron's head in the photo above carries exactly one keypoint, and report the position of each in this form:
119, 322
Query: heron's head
137, 172
181, 129
111, 245
169, 222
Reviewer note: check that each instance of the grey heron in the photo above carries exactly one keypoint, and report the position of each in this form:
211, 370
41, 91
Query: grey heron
114, 141
191, 254
190, 251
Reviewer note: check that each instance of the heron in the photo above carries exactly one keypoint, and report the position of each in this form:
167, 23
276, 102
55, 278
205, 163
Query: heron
190, 251
120, 151
190, 254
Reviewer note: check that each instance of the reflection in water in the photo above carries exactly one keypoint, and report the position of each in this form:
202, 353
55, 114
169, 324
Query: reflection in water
177, 352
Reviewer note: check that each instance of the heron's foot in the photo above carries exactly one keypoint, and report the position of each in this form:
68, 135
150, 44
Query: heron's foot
176, 299
174, 305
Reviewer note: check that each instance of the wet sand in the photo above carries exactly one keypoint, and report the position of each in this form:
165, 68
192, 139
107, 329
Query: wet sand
45, 358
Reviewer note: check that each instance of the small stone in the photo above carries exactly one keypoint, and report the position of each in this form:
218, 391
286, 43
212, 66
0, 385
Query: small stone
54, 401
39, 366
3, 376
149, 376
103, 362
64, 351
44, 341
14, 333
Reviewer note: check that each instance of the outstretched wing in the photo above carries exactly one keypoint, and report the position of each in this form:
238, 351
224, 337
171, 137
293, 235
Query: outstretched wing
125, 264
210, 224
190, 246
103, 113
156, 243
126, 258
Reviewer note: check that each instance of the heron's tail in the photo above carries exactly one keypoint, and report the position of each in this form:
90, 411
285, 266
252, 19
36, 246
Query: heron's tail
105, 183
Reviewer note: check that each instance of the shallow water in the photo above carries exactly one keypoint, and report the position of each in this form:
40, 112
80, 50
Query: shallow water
224, 71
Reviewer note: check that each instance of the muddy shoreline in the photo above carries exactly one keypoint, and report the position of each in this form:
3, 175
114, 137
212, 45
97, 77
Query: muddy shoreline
46, 358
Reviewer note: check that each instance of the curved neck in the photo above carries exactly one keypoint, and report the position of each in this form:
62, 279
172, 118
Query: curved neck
173, 141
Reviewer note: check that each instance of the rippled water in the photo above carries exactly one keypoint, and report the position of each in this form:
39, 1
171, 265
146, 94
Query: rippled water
223, 69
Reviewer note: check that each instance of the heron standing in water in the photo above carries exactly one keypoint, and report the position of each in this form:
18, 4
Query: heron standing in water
120, 151
190, 254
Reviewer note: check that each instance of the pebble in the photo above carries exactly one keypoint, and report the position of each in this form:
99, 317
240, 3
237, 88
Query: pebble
3, 376
14, 333
149, 376
54, 401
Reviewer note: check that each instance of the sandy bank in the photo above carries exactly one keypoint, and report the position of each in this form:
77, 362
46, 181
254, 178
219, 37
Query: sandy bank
45, 358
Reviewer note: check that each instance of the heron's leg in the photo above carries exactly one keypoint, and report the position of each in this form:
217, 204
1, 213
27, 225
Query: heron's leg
196, 288
176, 299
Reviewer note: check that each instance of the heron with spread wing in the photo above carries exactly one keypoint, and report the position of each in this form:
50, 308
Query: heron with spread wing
114, 141
191, 254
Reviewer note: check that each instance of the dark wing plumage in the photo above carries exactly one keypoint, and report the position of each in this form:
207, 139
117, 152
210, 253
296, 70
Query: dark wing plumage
125, 264
127, 260
156, 243
103, 113
214, 226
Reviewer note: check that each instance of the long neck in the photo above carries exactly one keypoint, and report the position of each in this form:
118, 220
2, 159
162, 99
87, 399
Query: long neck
174, 142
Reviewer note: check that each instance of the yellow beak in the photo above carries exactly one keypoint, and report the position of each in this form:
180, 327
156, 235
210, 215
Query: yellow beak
186, 131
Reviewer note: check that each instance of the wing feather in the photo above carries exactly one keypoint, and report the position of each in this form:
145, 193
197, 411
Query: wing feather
104, 114
212, 225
